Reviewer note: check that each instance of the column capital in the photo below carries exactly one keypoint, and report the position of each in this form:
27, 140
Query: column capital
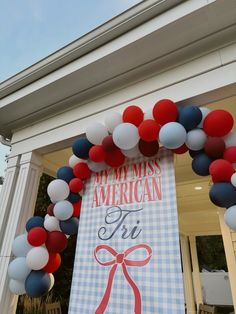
13, 161
31, 157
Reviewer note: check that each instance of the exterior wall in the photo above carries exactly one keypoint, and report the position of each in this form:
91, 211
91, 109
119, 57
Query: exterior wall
207, 78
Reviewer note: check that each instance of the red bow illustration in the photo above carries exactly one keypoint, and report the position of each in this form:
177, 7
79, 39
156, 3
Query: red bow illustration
120, 258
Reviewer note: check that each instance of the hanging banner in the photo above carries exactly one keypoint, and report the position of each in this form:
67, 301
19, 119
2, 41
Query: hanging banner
128, 256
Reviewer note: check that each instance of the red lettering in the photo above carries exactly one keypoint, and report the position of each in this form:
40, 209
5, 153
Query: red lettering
117, 174
137, 170
131, 192
158, 167
95, 198
123, 191
136, 191
156, 184
146, 191
104, 195
151, 172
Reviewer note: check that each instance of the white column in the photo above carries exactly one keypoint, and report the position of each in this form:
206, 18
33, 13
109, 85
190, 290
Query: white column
229, 254
7, 192
187, 274
196, 274
21, 209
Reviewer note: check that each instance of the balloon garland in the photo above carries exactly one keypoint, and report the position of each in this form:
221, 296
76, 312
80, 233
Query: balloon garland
205, 134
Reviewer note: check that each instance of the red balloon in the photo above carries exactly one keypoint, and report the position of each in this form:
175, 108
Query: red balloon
50, 209
56, 242
76, 185
149, 130
221, 170
115, 158
82, 171
77, 208
230, 154
108, 144
133, 114
218, 123
97, 153
214, 147
148, 149
37, 236
180, 150
53, 264
165, 111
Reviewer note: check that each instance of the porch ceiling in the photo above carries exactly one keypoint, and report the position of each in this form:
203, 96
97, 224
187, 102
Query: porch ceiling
197, 215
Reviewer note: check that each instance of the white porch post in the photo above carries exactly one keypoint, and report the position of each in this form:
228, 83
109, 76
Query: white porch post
187, 274
21, 209
196, 274
229, 253
7, 192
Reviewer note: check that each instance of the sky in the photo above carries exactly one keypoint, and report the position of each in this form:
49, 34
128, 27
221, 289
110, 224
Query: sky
32, 29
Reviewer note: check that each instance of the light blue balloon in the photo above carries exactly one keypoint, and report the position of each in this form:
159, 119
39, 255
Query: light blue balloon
21, 246
230, 217
63, 210
17, 287
172, 135
18, 269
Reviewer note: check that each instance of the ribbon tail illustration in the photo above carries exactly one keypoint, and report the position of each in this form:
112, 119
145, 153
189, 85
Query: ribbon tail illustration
137, 296
103, 304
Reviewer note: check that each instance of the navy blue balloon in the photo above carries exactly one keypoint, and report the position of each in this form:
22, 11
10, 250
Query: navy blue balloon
200, 164
223, 194
65, 173
179, 111
190, 117
70, 226
37, 283
35, 221
194, 153
81, 148
74, 197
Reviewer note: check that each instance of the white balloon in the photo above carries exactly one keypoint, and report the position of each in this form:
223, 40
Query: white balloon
37, 258
112, 120
21, 246
63, 210
230, 217
52, 224
148, 115
46, 217
17, 287
18, 269
125, 136
58, 190
196, 139
204, 111
131, 153
172, 135
96, 132
52, 281
230, 139
74, 160
233, 179
96, 166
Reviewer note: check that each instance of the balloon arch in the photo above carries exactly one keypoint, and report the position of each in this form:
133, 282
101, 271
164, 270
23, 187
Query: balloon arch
205, 134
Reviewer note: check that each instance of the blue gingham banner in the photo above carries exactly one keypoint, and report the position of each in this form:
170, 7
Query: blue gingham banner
127, 256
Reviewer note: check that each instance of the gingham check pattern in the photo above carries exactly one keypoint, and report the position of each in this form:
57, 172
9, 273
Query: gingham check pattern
160, 281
